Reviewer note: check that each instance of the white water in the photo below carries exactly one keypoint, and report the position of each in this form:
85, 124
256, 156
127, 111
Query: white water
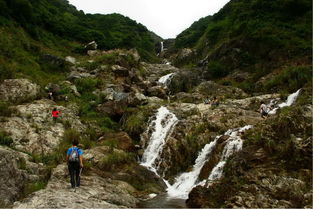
162, 125
290, 100
162, 47
233, 145
186, 181
165, 79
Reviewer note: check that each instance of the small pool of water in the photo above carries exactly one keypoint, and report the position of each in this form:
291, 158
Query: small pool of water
163, 201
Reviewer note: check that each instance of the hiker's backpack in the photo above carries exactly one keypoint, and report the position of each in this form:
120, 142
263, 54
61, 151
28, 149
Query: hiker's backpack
74, 157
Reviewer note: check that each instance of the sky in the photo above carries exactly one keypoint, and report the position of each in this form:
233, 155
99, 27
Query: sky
166, 18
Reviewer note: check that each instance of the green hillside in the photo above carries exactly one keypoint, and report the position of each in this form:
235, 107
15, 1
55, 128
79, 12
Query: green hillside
260, 37
30, 28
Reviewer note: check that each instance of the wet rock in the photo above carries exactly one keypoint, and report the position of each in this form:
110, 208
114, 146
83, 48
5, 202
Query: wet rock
18, 90
157, 91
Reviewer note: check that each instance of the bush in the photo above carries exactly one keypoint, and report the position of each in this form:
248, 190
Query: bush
5, 139
87, 84
115, 159
216, 70
295, 77
33, 187
5, 109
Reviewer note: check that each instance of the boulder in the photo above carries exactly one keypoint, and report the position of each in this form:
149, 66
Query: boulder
93, 53
34, 131
91, 46
18, 90
15, 172
136, 99
70, 59
113, 108
157, 91
94, 192
120, 71
121, 139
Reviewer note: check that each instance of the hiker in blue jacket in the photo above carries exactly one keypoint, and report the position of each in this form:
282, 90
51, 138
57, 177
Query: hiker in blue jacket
74, 160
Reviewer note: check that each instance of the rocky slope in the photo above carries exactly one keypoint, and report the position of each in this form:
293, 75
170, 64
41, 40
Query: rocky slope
108, 101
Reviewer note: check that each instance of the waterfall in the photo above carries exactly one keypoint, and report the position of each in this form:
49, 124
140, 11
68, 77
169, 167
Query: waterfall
162, 47
290, 100
233, 145
165, 80
165, 121
186, 181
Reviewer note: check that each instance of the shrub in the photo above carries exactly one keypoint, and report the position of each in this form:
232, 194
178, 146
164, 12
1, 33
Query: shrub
216, 70
295, 77
5, 109
87, 84
5, 139
115, 159
33, 187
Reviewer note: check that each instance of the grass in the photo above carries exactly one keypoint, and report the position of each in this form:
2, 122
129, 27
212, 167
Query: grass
5, 139
115, 160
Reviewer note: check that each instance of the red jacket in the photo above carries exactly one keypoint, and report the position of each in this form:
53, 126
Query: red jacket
55, 114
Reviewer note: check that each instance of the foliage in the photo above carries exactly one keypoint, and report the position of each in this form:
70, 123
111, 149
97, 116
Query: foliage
295, 77
115, 159
5, 109
5, 139
87, 84
134, 121
45, 19
33, 187
257, 36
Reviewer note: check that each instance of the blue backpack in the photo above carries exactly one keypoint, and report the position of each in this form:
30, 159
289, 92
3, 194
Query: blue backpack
74, 157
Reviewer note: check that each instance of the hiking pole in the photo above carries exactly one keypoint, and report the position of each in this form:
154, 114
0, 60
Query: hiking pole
80, 171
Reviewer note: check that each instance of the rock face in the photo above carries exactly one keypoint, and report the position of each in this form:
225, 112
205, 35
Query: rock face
18, 90
33, 130
15, 172
94, 192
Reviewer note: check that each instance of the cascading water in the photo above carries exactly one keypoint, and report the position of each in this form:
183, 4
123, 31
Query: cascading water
186, 181
162, 47
165, 80
165, 121
233, 144
290, 100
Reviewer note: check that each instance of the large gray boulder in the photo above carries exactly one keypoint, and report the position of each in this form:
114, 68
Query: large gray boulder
18, 90
33, 130
15, 172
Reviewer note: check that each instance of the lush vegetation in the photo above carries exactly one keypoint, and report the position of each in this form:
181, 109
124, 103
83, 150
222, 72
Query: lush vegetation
62, 19
258, 37
32, 28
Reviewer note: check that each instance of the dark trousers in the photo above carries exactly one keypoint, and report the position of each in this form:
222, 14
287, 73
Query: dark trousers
74, 170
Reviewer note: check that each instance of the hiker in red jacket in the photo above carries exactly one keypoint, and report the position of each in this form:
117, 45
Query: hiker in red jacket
55, 114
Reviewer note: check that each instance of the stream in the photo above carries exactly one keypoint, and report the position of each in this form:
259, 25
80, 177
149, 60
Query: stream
163, 201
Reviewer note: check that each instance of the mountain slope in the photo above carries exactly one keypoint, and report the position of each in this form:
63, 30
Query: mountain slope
44, 20
261, 38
